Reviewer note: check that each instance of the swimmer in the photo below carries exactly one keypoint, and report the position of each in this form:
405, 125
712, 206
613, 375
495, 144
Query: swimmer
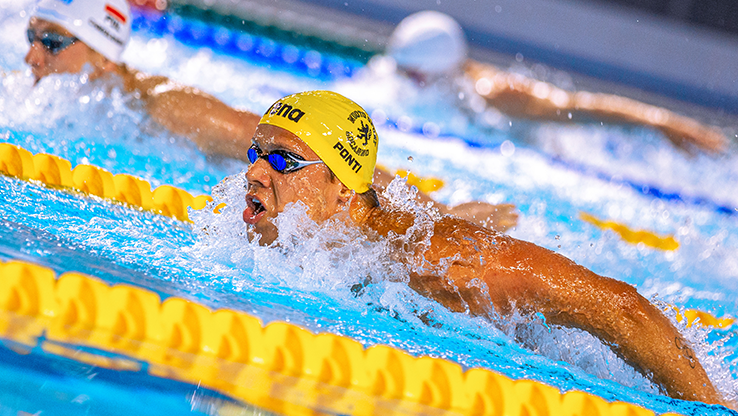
430, 45
65, 36
68, 36
320, 148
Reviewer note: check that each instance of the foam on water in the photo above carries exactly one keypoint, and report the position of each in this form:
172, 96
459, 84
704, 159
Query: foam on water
339, 261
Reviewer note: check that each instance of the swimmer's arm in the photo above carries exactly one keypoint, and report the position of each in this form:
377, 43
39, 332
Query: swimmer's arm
498, 217
683, 132
522, 97
519, 274
215, 127
570, 295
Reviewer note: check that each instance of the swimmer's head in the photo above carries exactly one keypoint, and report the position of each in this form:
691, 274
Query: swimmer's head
428, 43
65, 35
336, 128
317, 148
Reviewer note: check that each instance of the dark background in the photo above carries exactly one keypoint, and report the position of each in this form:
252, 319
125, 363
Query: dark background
720, 15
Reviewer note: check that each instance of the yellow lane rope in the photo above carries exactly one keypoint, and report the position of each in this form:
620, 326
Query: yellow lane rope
701, 318
280, 367
54, 171
648, 238
425, 184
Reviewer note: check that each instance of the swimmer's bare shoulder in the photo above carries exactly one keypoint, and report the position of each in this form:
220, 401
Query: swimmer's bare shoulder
472, 269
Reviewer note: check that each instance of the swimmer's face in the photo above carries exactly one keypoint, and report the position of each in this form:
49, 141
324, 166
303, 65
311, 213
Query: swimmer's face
71, 59
269, 191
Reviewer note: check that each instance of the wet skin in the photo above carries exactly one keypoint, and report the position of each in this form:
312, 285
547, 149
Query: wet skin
516, 273
471, 269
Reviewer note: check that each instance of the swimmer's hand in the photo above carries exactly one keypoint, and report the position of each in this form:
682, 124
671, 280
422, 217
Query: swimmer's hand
496, 217
523, 97
687, 134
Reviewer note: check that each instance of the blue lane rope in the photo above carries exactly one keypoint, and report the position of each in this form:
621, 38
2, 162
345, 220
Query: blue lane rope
257, 49
328, 66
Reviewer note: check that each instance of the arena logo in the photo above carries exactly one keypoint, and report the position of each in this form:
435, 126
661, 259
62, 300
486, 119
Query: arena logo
286, 111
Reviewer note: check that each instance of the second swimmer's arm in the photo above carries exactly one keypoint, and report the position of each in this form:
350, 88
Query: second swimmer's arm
215, 127
519, 96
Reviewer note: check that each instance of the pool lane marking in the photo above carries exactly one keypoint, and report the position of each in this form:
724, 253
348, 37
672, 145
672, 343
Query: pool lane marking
703, 319
425, 184
281, 367
328, 64
56, 172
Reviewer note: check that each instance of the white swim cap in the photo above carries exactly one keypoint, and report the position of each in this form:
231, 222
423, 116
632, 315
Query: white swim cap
103, 25
429, 42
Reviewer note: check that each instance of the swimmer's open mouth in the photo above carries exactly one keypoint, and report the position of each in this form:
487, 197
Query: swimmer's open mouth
254, 210
258, 206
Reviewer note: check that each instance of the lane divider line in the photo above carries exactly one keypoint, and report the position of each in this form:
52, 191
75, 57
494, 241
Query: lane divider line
56, 172
668, 243
280, 367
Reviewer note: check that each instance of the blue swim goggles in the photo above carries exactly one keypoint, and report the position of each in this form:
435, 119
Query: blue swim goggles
53, 42
281, 160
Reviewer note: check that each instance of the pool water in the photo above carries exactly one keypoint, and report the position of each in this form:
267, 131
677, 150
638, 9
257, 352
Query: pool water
550, 172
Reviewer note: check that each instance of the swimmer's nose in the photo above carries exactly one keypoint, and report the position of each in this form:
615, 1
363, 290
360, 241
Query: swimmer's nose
258, 173
36, 56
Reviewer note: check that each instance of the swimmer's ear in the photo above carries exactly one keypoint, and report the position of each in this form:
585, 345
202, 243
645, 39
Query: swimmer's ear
345, 194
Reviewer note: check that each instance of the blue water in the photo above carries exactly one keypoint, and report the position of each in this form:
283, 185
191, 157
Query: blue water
550, 172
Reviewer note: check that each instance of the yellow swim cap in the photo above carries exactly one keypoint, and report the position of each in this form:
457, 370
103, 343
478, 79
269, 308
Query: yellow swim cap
336, 128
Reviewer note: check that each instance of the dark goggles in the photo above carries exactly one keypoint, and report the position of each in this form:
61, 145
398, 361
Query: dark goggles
281, 160
53, 42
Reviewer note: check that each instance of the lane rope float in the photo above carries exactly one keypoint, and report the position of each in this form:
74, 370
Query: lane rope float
280, 367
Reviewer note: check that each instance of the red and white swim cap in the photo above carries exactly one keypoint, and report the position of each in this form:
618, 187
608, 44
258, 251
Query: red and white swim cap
103, 25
